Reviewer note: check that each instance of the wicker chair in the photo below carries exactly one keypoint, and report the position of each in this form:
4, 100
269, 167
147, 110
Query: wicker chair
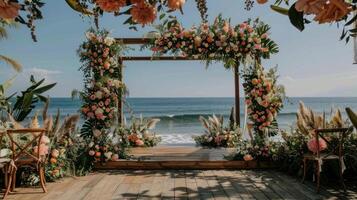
335, 154
23, 156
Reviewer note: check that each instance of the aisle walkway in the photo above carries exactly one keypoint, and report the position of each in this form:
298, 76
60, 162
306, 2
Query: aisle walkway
196, 184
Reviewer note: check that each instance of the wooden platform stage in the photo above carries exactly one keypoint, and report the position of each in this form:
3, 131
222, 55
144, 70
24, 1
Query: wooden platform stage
166, 157
182, 184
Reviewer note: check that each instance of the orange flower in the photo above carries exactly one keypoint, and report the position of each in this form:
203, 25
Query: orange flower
53, 160
247, 157
143, 13
136, 1
9, 10
262, 1
175, 4
110, 5
133, 137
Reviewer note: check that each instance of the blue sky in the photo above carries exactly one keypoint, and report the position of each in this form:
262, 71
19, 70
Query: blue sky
310, 63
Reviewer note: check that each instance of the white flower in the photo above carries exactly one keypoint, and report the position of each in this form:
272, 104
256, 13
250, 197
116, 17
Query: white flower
99, 94
91, 144
90, 36
96, 133
108, 154
109, 41
99, 111
106, 90
117, 83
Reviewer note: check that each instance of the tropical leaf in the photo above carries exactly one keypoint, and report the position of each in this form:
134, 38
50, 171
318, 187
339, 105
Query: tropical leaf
296, 18
87, 128
280, 10
28, 99
76, 5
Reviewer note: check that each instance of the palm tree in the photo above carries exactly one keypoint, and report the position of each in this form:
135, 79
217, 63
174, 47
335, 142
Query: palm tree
3, 35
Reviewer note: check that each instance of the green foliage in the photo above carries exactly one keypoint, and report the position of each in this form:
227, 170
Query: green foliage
296, 18
26, 102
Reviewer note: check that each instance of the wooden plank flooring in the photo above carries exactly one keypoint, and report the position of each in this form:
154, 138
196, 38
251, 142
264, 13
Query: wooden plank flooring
164, 153
181, 184
164, 157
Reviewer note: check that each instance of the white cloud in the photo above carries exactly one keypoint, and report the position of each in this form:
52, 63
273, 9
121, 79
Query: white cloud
42, 72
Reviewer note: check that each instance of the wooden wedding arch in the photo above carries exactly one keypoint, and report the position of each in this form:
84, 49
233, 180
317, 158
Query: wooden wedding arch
193, 162
142, 41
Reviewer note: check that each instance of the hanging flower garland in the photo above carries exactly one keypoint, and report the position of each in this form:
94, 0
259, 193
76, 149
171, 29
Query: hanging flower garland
264, 99
99, 55
219, 41
141, 12
10, 10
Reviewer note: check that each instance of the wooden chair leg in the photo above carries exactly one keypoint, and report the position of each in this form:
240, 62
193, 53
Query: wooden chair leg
13, 182
341, 175
42, 178
304, 171
318, 176
9, 184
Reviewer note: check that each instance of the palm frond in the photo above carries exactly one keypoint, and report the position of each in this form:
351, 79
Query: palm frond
13, 63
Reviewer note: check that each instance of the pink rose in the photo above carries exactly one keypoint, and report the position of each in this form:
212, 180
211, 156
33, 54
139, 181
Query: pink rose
139, 142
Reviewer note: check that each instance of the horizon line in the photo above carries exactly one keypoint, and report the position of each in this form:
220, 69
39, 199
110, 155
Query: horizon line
142, 97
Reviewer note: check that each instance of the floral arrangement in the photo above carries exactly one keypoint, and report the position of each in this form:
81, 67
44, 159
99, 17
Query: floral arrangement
219, 41
217, 134
268, 151
140, 11
10, 11
139, 133
323, 11
264, 99
99, 55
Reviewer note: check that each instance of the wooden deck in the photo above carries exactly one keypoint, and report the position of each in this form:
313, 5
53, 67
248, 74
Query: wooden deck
164, 157
177, 153
181, 184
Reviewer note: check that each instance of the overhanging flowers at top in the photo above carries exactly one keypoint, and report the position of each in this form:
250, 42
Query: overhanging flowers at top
220, 41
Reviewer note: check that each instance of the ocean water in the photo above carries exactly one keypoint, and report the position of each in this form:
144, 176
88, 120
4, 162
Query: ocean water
179, 116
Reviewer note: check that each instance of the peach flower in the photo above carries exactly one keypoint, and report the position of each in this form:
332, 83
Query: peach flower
110, 5
175, 4
43, 149
115, 157
313, 145
248, 157
262, 1
9, 10
139, 143
143, 13
55, 153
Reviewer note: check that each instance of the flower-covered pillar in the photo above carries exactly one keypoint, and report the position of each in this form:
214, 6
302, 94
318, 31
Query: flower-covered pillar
103, 91
237, 96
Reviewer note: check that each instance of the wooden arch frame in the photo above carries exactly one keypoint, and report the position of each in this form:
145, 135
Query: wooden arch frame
138, 41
